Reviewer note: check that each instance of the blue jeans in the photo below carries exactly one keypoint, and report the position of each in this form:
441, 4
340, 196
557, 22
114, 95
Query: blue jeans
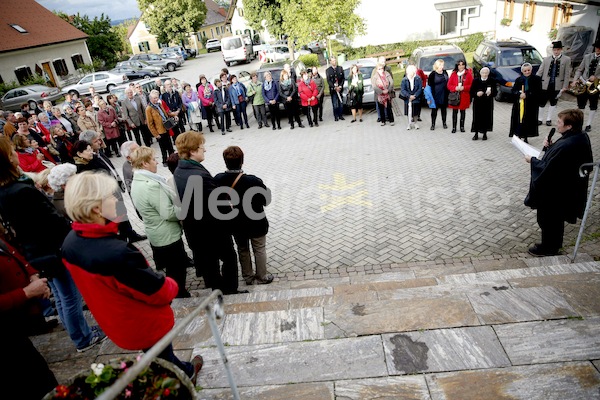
70, 309
240, 111
338, 107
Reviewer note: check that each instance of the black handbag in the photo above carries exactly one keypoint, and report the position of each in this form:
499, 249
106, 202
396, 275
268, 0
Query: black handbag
169, 123
454, 98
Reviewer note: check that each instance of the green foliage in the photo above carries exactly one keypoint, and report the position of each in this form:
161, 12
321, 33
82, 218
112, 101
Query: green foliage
470, 43
173, 20
300, 17
103, 42
96, 65
505, 21
121, 31
310, 60
255, 11
552, 34
525, 26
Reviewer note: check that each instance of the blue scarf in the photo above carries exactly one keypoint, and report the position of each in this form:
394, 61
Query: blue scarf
268, 85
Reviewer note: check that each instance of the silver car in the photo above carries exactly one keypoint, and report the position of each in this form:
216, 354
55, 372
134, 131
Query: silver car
101, 81
174, 56
154, 59
13, 99
213, 45
137, 64
366, 67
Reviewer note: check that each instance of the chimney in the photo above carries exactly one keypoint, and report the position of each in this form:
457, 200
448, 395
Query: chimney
222, 11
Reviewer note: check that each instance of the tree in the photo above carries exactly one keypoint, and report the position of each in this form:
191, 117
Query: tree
121, 31
103, 43
308, 20
255, 11
173, 20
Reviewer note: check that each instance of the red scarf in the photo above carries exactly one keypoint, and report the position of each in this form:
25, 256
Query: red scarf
383, 85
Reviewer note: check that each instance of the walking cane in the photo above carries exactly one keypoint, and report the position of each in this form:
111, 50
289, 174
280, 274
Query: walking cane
409, 115
585, 170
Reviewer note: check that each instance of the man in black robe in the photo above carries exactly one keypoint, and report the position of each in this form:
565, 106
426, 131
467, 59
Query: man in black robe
557, 190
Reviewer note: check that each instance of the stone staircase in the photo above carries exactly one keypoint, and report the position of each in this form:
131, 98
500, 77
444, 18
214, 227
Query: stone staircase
493, 329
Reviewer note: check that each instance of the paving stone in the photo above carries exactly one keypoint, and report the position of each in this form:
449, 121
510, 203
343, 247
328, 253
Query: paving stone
596, 364
382, 286
488, 276
273, 327
299, 391
197, 333
582, 291
562, 381
556, 260
517, 305
295, 362
347, 320
439, 270
274, 295
386, 388
551, 341
385, 277
440, 290
499, 264
443, 350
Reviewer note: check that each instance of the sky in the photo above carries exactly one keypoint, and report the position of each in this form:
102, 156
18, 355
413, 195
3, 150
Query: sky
115, 9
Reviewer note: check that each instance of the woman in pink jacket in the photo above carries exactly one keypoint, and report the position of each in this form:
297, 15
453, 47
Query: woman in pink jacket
307, 89
205, 94
460, 81
107, 117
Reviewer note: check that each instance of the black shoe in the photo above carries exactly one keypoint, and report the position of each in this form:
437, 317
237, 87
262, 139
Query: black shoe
539, 122
539, 251
548, 123
136, 237
462, 128
165, 164
264, 281
320, 119
228, 129
235, 291
476, 136
292, 126
453, 130
247, 126
444, 125
353, 121
278, 127
484, 136
419, 119
510, 134
211, 129
259, 126
588, 128
301, 126
242, 127
267, 125
378, 119
222, 132
336, 119
432, 127
274, 127
311, 125
342, 118
316, 124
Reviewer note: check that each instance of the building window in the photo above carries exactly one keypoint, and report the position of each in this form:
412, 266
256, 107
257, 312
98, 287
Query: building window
144, 46
240, 11
60, 66
204, 33
529, 12
509, 8
19, 28
23, 73
77, 60
561, 14
449, 22
212, 33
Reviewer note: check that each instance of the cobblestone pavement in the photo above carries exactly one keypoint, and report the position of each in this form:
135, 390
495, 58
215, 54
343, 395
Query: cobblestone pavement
359, 194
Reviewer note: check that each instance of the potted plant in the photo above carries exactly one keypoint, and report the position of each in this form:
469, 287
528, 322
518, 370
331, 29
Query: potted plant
161, 380
525, 26
505, 21
552, 34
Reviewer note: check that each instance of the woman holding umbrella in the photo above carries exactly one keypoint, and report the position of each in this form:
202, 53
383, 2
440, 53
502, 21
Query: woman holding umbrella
526, 92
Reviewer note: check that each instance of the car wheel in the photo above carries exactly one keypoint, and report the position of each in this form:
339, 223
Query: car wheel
311, 50
228, 63
146, 76
110, 87
171, 67
499, 94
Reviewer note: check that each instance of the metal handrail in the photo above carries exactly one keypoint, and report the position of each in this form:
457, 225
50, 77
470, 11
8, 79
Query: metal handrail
121, 383
584, 170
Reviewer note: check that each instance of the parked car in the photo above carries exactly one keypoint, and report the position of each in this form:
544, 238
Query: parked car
101, 81
504, 59
276, 68
316, 47
174, 56
424, 57
137, 64
153, 59
213, 45
13, 99
366, 67
242, 76
175, 49
146, 84
133, 74
237, 48
281, 52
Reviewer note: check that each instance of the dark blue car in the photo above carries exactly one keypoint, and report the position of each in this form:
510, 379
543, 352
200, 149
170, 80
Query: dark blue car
504, 59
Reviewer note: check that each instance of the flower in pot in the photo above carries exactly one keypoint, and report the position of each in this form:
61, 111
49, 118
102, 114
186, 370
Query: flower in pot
161, 380
525, 26
505, 21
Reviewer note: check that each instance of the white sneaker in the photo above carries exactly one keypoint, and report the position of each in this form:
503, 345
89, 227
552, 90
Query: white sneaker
416, 126
408, 127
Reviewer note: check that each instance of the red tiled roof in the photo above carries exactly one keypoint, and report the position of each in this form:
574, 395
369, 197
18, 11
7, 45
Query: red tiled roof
42, 26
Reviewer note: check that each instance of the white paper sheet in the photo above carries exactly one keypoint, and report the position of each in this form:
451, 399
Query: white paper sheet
525, 148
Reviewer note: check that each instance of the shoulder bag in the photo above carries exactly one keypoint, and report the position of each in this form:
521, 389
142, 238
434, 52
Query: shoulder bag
454, 97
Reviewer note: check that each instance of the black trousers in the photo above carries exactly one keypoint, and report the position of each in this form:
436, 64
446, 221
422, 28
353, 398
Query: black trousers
225, 118
307, 111
553, 229
320, 106
582, 100
291, 107
174, 260
166, 146
275, 117
134, 134
146, 135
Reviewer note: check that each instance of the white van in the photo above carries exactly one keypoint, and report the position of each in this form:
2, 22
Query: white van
237, 48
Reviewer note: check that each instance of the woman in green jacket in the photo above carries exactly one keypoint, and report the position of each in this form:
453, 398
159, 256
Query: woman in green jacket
153, 198
255, 95
355, 92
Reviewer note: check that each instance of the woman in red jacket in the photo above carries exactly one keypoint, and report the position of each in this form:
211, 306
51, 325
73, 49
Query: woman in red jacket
107, 117
130, 301
307, 88
30, 160
460, 81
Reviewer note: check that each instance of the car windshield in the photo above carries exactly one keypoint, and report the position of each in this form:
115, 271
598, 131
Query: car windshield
232, 44
450, 61
516, 57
